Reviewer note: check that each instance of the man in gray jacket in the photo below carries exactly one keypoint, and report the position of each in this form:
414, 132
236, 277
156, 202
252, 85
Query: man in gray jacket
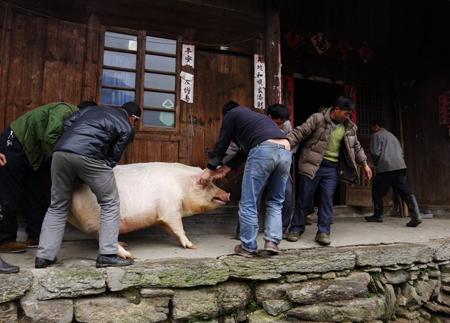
330, 153
390, 170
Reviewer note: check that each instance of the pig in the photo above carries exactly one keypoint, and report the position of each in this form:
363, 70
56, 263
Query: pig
150, 193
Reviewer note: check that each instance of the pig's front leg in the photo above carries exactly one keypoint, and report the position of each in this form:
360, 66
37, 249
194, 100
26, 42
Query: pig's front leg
174, 225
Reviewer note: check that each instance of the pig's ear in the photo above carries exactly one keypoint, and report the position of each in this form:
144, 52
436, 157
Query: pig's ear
200, 180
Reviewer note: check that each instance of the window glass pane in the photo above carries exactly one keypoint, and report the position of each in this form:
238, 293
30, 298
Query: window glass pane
117, 59
122, 41
160, 81
159, 119
159, 100
119, 78
161, 45
116, 97
160, 63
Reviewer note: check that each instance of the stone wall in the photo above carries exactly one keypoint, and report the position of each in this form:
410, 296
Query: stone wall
397, 282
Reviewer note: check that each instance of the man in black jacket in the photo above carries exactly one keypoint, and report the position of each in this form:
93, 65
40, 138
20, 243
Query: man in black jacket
92, 144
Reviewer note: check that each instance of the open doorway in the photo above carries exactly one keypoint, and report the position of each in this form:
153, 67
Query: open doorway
309, 97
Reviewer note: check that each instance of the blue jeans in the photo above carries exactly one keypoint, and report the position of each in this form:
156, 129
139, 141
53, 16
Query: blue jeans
268, 165
327, 178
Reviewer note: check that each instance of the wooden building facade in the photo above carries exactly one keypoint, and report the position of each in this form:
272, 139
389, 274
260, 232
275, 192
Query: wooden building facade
116, 50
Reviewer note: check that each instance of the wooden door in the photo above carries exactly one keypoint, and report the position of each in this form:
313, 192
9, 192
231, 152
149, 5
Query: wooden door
219, 78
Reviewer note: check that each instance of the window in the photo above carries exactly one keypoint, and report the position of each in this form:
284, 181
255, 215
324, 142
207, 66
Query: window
127, 74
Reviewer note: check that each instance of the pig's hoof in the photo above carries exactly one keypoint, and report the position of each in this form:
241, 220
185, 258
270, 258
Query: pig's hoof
122, 253
187, 244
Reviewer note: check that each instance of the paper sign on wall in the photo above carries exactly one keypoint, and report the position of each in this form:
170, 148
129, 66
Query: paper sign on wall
188, 55
187, 87
259, 82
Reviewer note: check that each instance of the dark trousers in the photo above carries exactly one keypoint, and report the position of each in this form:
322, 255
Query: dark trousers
21, 188
326, 179
383, 182
287, 204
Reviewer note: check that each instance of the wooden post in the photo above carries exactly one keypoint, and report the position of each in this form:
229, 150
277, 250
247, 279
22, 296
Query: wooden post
272, 53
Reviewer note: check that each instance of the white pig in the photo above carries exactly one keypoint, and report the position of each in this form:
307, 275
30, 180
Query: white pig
150, 193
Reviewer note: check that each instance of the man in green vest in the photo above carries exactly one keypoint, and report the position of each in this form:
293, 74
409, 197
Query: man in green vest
331, 152
27, 145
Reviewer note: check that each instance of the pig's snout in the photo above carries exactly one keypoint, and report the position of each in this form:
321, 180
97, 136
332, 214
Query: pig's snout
222, 199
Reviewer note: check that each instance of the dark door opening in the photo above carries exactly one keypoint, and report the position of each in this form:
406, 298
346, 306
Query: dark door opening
309, 97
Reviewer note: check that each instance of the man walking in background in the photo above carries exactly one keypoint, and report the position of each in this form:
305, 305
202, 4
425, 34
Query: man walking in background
390, 170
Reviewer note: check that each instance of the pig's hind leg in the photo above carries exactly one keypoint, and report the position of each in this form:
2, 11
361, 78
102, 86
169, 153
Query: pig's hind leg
174, 225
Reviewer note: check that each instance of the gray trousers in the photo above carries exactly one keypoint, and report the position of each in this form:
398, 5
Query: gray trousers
66, 168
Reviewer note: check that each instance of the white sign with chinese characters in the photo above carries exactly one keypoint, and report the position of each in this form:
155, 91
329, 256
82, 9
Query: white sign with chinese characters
260, 82
188, 55
187, 87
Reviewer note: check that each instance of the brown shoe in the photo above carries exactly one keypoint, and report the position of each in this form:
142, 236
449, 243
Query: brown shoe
272, 247
293, 236
244, 253
32, 243
13, 247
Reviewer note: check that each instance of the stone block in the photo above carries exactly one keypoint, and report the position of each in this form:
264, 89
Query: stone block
267, 291
8, 312
70, 282
331, 275
343, 288
261, 316
295, 278
209, 302
292, 261
396, 277
275, 307
14, 286
51, 311
442, 250
169, 273
355, 310
156, 292
119, 310
389, 255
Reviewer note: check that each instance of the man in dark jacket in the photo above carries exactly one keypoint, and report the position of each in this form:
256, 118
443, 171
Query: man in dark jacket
27, 145
268, 160
6, 268
331, 150
390, 170
92, 144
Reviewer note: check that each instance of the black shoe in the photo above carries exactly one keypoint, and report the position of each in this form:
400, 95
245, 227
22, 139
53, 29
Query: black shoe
43, 263
413, 223
6, 268
373, 218
112, 261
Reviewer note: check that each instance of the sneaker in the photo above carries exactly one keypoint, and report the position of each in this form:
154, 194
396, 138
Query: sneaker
373, 218
43, 263
244, 253
293, 236
323, 239
272, 247
112, 261
13, 247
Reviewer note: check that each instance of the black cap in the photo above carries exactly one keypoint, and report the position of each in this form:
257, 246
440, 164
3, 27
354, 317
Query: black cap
344, 103
132, 109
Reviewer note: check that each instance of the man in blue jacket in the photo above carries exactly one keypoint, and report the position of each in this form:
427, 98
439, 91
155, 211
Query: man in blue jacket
92, 144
